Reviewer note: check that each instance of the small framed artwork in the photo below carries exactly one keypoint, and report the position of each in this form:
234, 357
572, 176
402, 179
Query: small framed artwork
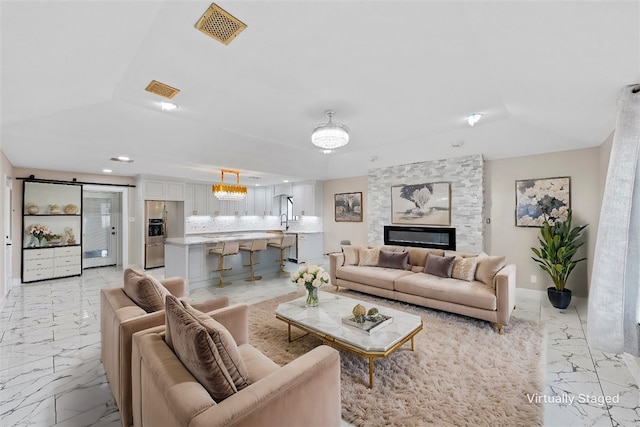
540, 198
423, 204
348, 207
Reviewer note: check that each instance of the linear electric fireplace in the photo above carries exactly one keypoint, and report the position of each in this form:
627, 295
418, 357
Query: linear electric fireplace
423, 237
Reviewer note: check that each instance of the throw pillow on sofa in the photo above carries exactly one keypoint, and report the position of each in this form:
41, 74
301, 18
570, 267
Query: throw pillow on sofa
369, 257
350, 255
488, 267
439, 265
206, 348
464, 268
397, 260
146, 291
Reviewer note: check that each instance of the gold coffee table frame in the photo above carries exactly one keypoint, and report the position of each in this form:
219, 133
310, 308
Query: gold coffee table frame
334, 342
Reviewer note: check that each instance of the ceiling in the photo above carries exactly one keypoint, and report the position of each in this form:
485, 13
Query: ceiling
401, 75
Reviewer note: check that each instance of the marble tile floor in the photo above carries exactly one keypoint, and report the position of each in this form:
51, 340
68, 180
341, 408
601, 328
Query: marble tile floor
51, 374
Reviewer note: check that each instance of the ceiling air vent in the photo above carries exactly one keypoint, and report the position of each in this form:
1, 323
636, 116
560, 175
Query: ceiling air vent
220, 25
161, 89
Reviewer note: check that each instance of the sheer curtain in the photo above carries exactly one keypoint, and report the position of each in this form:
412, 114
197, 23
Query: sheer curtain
615, 285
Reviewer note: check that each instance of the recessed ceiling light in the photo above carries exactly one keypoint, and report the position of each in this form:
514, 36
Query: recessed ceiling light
285, 180
168, 106
473, 118
124, 159
107, 170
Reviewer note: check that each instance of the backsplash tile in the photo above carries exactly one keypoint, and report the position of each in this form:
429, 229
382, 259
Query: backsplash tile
223, 224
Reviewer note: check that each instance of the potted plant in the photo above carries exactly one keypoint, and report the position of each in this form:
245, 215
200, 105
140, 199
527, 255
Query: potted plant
558, 245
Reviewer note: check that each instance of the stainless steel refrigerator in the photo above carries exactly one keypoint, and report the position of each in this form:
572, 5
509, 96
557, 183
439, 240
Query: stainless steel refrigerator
156, 232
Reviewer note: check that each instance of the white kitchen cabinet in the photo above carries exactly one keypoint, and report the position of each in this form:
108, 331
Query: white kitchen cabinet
269, 206
156, 189
196, 199
213, 204
307, 198
261, 202
250, 203
309, 247
58, 208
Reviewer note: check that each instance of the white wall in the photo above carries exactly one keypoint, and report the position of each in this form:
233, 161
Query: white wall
334, 231
502, 237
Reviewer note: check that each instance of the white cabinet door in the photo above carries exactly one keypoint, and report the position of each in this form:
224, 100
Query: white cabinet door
174, 191
195, 201
304, 199
303, 245
213, 204
163, 190
250, 203
309, 247
153, 190
259, 202
268, 201
189, 200
200, 199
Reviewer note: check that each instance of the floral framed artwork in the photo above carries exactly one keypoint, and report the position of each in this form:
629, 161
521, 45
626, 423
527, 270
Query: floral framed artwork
424, 204
348, 207
537, 199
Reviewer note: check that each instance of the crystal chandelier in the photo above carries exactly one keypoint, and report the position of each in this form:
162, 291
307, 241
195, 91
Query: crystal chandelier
330, 135
229, 191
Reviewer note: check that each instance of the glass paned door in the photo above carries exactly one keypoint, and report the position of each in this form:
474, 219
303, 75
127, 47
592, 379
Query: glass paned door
100, 213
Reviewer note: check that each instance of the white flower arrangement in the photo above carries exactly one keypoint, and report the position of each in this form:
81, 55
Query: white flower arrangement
310, 275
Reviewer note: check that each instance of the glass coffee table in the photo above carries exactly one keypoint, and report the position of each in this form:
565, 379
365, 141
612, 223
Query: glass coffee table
325, 322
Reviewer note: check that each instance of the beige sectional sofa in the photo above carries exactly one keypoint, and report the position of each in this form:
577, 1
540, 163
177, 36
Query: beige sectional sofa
474, 285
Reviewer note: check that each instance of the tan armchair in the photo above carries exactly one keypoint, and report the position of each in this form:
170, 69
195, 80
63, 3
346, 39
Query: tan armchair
305, 392
120, 318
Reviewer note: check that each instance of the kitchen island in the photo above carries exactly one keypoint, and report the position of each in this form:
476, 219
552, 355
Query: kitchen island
189, 257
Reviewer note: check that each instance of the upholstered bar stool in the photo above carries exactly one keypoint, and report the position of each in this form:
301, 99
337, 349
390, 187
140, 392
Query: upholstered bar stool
286, 242
252, 247
227, 248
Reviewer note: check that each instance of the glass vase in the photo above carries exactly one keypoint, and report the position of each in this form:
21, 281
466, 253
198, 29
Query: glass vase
35, 242
312, 296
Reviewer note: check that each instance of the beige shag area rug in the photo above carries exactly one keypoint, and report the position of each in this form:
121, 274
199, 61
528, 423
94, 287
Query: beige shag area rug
462, 373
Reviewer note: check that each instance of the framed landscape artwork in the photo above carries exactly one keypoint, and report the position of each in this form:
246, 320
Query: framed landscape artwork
537, 199
421, 204
348, 207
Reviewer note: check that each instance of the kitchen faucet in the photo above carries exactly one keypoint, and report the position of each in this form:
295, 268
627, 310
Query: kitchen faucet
284, 221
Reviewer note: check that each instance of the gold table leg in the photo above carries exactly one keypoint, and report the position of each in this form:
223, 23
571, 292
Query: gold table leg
371, 372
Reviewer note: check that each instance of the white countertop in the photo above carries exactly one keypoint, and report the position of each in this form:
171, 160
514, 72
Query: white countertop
208, 239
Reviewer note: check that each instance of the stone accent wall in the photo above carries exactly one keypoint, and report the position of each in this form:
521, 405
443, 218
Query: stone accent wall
466, 175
